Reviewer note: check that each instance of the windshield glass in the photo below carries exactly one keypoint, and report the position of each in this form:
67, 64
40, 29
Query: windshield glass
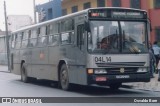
104, 37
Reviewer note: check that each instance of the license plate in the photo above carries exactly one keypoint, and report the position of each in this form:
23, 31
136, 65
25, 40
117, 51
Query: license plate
101, 79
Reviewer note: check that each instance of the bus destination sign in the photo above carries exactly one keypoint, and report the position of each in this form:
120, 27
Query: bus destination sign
117, 14
125, 14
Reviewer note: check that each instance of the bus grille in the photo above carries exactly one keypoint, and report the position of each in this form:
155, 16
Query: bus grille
121, 64
130, 70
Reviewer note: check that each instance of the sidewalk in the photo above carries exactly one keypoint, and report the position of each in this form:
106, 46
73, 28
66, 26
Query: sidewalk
153, 85
4, 68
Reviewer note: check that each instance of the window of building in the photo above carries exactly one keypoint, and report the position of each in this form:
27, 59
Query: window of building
50, 14
87, 5
74, 9
157, 3
157, 33
116, 3
101, 3
64, 12
135, 4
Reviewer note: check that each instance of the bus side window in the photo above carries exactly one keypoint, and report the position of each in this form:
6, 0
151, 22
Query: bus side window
65, 38
33, 39
80, 36
44, 38
54, 39
38, 37
25, 40
18, 41
29, 39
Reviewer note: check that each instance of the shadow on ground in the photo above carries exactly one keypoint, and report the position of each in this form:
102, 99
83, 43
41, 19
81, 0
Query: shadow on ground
87, 90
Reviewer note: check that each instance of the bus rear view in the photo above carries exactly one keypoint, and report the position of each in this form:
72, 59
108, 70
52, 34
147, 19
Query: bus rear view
117, 46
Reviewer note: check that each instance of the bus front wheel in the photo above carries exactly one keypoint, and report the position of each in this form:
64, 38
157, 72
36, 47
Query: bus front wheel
24, 77
64, 78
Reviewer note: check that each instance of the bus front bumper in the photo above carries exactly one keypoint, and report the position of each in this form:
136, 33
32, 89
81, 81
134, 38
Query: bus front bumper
109, 79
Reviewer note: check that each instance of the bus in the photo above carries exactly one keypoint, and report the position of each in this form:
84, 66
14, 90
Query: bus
69, 49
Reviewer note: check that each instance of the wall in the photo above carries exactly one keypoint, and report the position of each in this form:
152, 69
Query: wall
68, 4
42, 9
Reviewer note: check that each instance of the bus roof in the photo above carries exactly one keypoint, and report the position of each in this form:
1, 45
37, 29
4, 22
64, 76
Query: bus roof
71, 15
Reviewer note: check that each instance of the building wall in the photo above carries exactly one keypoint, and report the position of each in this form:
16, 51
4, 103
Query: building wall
68, 4
3, 49
44, 15
154, 14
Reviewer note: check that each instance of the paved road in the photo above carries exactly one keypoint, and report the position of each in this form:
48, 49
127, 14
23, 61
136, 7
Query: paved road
11, 86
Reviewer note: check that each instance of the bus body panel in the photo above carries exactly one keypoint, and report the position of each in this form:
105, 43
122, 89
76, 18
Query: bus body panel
129, 60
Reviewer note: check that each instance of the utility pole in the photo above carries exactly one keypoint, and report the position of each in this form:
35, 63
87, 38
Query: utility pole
7, 36
34, 8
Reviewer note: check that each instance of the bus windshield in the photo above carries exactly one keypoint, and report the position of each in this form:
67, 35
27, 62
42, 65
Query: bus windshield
117, 37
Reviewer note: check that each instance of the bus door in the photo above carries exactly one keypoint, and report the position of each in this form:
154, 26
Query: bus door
80, 52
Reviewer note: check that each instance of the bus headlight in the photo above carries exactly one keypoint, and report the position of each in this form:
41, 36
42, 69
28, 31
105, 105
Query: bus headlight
142, 70
100, 71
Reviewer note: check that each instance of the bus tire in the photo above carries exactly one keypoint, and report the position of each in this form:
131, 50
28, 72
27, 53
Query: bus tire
24, 77
115, 86
64, 79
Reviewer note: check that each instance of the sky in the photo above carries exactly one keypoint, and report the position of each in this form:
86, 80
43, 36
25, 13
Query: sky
17, 7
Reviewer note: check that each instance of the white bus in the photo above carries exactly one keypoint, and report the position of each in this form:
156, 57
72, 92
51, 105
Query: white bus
103, 46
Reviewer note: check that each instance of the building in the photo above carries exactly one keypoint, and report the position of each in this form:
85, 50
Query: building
3, 49
71, 6
18, 21
154, 14
49, 10
151, 6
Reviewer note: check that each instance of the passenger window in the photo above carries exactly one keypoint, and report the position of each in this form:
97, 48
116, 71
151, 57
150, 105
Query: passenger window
18, 41
33, 40
42, 41
53, 39
65, 38
33, 33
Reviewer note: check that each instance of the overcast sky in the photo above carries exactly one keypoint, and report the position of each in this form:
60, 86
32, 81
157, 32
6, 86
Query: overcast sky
17, 7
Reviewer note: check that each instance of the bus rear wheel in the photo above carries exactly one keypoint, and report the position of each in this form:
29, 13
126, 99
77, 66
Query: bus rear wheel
64, 78
24, 77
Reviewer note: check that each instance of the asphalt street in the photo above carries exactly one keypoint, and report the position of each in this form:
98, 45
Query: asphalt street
11, 86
